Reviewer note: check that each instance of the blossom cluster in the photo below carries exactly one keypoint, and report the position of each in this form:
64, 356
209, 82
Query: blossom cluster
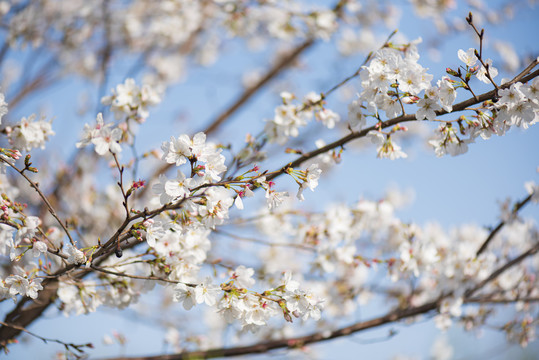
103, 136
353, 242
289, 118
131, 101
29, 134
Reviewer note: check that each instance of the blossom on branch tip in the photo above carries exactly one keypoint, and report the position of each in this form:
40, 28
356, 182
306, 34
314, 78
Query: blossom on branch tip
310, 180
75, 256
177, 150
102, 137
30, 134
468, 57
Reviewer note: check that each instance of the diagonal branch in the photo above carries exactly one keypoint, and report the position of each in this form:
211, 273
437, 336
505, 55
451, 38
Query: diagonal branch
385, 124
390, 317
297, 342
280, 66
35, 186
493, 233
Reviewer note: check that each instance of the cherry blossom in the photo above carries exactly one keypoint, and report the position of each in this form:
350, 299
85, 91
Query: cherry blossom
80, 231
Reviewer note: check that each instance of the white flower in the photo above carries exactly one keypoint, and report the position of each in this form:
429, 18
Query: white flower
468, 57
29, 229
75, 256
184, 294
160, 189
243, 277
101, 136
289, 284
274, 198
17, 285
533, 190
154, 231
30, 134
131, 101
33, 287
107, 139
389, 104
39, 247
427, 109
356, 118
511, 96
177, 150
482, 73
531, 91
178, 187
451, 306
207, 293
327, 117
312, 174
447, 94
386, 147
215, 165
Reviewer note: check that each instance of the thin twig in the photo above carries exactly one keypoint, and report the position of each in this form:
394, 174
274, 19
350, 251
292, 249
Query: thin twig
532, 251
43, 197
268, 243
133, 276
77, 347
498, 227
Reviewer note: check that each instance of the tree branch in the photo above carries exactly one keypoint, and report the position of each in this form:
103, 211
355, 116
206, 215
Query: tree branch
77, 347
493, 233
392, 316
385, 124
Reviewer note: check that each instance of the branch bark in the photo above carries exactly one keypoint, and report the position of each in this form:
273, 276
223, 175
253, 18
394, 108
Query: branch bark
291, 343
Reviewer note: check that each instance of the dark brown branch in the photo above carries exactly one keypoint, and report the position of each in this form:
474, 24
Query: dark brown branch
503, 301
27, 310
297, 342
385, 124
292, 343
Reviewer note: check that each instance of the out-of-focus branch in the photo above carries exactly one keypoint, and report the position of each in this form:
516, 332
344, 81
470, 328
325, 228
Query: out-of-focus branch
291, 343
493, 233
27, 310
280, 66
532, 251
